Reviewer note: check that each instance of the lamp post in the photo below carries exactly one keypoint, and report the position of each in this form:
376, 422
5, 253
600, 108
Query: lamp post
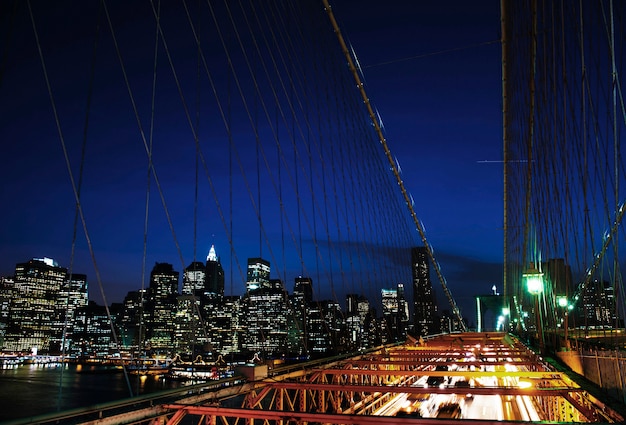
566, 306
534, 285
506, 313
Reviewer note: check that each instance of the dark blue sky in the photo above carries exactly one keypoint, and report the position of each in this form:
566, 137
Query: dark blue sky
431, 69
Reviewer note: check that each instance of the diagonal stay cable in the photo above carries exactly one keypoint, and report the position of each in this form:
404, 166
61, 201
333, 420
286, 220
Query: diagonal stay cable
442, 280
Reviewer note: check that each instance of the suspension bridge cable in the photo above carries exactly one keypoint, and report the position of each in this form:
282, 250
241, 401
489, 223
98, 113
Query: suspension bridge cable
72, 181
454, 307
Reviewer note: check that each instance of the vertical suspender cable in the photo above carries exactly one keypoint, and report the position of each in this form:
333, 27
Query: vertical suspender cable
505, 144
616, 144
531, 135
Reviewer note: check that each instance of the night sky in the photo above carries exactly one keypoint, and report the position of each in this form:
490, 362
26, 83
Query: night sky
432, 70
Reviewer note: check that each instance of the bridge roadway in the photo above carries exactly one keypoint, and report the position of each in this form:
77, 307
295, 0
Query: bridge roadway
484, 377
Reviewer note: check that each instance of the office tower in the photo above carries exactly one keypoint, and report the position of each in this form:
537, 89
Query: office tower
352, 304
131, 321
191, 310
598, 305
188, 327
300, 302
326, 328
258, 274
403, 309
265, 314
194, 279
226, 327
92, 332
214, 273
395, 314
72, 296
303, 288
425, 307
358, 322
196, 316
161, 308
6, 295
37, 317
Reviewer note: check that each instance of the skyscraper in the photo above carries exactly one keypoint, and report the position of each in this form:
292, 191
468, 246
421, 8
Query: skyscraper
130, 322
73, 296
425, 307
301, 300
265, 317
395, 313
161, 307
37, 317
598, 305
258, 274
194, 279
214, 273
359, 320
326, 328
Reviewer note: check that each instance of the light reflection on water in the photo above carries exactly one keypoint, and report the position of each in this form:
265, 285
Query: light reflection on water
31, 390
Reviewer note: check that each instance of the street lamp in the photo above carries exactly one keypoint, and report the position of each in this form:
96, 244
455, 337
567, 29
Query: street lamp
534, 279
565, 305
534, 285
506, 313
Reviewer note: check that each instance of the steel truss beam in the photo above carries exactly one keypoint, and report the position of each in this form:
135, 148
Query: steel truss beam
283, 417
357, 390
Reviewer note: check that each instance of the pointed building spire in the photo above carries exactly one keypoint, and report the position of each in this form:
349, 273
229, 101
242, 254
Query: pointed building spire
212, 256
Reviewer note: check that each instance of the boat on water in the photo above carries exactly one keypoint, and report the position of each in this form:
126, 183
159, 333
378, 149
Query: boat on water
199, 369
149, 366
9, 361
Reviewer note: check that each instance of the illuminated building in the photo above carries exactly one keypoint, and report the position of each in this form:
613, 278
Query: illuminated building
300, 301
130, 322
188, 328
37, 317
225, 325
265, 311
258, 274
194, 279
395, 314
204, 280
425, 307
598, 306
448, 322
92, 330
359, 322
6, 294
214, 273
161, 307
202, 311
326, 330
72, 296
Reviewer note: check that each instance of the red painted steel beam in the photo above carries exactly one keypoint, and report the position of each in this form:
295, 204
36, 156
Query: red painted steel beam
548, 391
337, 419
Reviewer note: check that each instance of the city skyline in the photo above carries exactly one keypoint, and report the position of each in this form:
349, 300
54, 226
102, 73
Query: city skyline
445, 63
46, 311
185, 281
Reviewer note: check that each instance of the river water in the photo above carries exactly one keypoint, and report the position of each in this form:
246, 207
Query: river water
31, 390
